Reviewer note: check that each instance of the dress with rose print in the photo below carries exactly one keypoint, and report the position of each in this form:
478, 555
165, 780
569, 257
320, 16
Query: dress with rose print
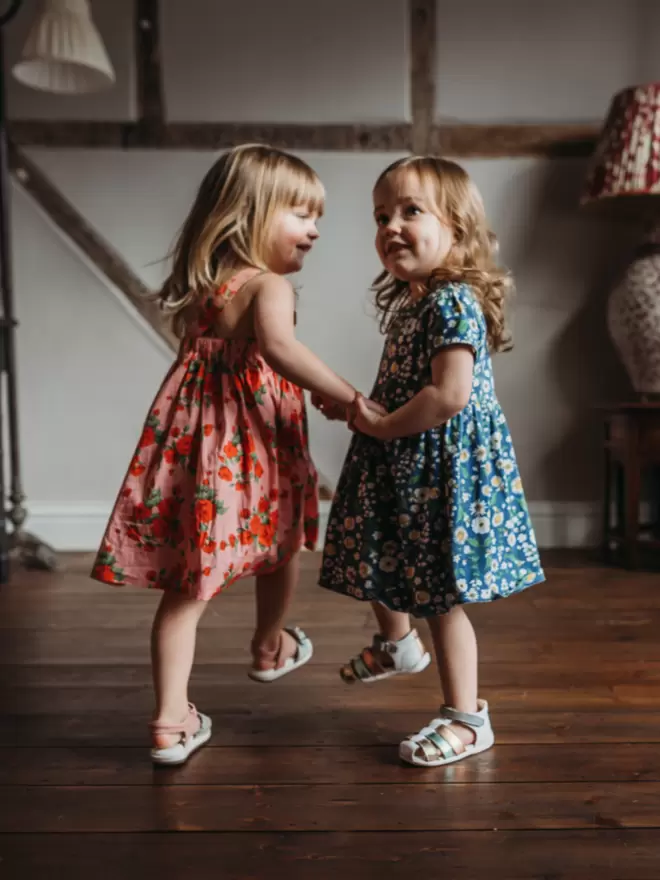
436, 519
221, 485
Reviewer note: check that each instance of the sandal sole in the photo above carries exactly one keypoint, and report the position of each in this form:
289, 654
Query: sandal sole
265, 676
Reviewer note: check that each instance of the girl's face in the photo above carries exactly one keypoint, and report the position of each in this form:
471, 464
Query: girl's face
293, 234
411, 240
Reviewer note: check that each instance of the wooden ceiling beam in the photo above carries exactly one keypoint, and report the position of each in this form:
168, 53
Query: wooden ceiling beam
150, 92
456, 139
422, 50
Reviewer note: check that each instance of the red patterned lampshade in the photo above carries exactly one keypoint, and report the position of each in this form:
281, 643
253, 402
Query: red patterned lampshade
626, 161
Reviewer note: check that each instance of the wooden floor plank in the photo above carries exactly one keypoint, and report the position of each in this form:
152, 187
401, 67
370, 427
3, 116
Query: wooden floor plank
311, 807
605, 854
272, 765
294, 727
302, 779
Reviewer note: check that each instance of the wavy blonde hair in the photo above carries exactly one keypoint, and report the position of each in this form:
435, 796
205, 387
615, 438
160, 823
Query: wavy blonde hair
229, 224
472, 258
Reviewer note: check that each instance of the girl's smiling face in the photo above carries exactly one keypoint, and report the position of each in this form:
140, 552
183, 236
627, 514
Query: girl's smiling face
412, 241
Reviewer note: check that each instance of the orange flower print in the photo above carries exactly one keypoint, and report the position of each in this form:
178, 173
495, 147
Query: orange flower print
104, 573
266, 534
148, 437
224, 441
184, 445
254, 379
204, 510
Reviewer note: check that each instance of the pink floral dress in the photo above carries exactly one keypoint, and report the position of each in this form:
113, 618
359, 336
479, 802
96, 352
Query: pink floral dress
221, 485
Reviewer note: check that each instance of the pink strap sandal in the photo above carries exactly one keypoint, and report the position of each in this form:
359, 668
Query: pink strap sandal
195, 730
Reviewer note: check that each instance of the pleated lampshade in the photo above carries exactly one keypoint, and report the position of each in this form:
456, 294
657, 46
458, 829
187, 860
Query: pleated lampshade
64, 52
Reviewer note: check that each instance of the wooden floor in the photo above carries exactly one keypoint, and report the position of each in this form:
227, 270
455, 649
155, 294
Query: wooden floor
302, 778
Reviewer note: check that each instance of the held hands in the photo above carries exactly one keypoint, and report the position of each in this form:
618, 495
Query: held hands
336, 412
368, 417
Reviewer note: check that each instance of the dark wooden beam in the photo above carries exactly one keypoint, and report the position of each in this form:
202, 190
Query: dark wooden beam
499, 141
95, 248
209, 135
422, 30
150, 97
459, 140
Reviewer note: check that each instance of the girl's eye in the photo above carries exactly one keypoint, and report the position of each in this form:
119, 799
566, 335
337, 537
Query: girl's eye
382, 219
412, 211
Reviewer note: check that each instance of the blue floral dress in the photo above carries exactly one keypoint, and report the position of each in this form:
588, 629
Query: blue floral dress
425, 522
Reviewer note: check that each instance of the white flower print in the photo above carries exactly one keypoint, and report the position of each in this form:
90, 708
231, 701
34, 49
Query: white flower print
481, 525
407, 512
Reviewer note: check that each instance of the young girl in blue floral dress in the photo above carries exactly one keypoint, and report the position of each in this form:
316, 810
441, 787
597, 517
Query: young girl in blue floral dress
429, 513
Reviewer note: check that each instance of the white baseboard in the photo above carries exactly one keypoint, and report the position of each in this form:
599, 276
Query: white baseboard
68, 526
79, 526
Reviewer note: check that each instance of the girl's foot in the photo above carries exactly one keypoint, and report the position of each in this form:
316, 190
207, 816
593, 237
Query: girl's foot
173, 743
449, 738
384, 659
270, 663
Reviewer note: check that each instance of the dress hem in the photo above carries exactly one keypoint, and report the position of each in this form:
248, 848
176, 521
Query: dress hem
257, 571
432, 612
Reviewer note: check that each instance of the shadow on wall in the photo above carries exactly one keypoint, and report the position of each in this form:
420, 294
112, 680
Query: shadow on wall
579, 254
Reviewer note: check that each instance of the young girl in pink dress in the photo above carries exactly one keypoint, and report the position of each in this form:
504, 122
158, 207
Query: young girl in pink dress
221, 485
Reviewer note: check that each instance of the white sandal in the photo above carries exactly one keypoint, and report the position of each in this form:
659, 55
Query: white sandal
437, 744
408, 658
303, 654
195, 730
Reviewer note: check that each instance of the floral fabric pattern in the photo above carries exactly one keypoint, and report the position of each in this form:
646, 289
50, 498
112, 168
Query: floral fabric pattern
221, 485
425, 522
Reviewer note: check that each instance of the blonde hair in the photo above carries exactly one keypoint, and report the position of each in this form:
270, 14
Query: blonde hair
472, 258
229, 224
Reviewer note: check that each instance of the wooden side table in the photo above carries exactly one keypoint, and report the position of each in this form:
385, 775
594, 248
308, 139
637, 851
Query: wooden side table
632, 451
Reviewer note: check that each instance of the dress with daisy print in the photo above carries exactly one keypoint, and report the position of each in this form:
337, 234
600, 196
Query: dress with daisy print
432, 520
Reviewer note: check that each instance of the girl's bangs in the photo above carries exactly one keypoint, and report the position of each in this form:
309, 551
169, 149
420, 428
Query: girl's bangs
300, 186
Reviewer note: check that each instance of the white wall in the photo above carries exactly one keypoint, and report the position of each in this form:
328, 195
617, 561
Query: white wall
88, 372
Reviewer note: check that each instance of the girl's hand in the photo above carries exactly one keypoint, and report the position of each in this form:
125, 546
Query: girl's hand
369, 418
334, 412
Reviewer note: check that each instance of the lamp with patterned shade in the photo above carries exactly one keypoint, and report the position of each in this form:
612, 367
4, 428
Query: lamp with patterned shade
626, 167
